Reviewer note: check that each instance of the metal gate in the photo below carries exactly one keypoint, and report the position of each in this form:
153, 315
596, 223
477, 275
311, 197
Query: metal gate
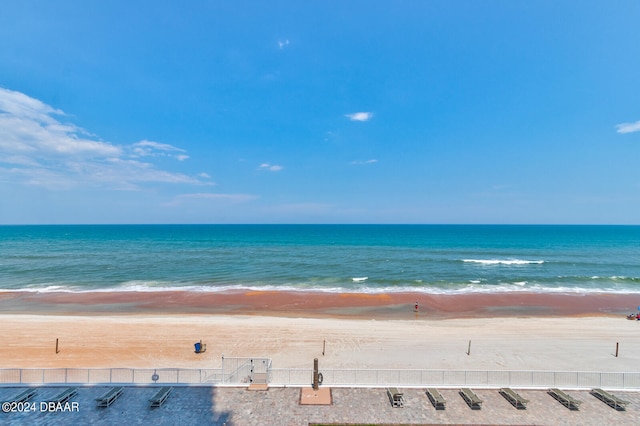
246, 370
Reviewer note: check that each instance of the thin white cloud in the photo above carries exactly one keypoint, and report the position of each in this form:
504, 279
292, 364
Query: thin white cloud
628, 127
220, 196
20, 105
270, 167
147, 148
361, 162
36, 148
359, 116
283, 43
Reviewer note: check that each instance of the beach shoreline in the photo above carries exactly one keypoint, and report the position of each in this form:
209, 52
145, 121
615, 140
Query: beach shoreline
321, 304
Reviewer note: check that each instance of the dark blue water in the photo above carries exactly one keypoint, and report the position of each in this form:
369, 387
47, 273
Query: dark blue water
339, 258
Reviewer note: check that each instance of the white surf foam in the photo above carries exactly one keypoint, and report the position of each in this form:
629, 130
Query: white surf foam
504, 261
471, 288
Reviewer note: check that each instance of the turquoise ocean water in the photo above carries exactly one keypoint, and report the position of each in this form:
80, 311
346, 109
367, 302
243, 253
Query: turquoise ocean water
436, 259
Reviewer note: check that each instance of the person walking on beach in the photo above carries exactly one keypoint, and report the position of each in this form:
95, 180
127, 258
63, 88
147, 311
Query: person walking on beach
415, 308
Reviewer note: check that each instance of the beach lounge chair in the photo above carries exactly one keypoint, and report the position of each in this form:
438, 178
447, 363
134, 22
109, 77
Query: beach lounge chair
436, 399
65, 395
567, 400
110, 397
24, 396
516, 400
395, 397
471, 398
160, 397
609, 399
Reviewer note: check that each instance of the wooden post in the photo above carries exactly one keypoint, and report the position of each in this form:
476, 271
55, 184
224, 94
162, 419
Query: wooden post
617, 345
316, 385
57, 346
469, 348
324, 343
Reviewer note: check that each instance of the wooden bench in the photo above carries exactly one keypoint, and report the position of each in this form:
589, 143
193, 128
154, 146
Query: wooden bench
160, 397
436, 399
65, 395
609, 399
516, 400
24, 396
395, 397
110, 397
567, 400
471, 398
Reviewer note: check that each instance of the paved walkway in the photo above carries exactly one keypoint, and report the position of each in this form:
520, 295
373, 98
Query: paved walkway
280, 406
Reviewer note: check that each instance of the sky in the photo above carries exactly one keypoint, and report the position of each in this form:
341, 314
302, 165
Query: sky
320, 112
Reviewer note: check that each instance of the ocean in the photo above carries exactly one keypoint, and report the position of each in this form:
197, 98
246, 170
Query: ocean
433, 259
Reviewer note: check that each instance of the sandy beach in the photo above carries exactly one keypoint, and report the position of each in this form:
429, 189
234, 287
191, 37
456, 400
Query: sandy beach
573, 333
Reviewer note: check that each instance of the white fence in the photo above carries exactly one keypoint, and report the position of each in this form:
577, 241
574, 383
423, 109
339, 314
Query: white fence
240, 372
458, 378
132, 376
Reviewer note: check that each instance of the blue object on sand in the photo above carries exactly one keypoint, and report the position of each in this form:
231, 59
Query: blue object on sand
198, 347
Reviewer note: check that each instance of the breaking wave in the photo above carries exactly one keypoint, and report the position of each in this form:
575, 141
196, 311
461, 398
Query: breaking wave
504, 261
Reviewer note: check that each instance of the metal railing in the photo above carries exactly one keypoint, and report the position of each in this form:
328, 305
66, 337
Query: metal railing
245, 370
134, 376
240, 372
458, 378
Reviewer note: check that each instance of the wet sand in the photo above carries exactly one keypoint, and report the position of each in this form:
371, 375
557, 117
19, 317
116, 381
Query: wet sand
318, 305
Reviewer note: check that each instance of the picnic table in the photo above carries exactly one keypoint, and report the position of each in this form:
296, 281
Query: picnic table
610, 399
110, 397
65, 395
436, 398
471, 398
395, 397
24, 396
565, 399
160, 397
516, 400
